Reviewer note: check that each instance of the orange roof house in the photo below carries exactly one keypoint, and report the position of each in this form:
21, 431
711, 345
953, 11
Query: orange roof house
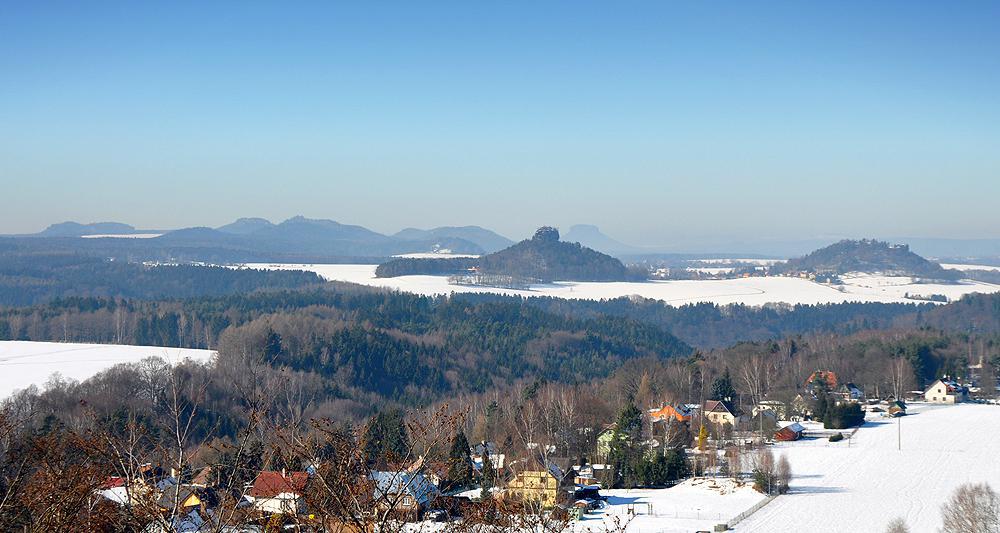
666, 412
830, 378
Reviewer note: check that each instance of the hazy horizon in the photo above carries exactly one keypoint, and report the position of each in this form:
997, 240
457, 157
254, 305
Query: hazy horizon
660, 124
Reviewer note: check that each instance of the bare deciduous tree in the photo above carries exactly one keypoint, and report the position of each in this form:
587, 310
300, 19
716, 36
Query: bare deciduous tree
897, 525
972, 508
900, 376
784, 474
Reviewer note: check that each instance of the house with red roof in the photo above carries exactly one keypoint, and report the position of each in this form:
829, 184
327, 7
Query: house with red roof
790, 432
279, 492
825, 376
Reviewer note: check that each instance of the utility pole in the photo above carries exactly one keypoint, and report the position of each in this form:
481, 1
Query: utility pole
899, 433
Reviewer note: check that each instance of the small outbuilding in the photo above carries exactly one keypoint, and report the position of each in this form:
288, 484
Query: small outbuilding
896, 408
790, 432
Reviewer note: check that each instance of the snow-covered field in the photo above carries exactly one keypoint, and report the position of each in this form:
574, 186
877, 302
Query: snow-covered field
714, 271
694, 505
749, 291
123, 236
24, 363
433, 255
758, 262
899, 286
954, 266
864, 484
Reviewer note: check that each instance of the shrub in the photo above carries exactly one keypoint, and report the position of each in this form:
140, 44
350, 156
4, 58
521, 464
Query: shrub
836, 437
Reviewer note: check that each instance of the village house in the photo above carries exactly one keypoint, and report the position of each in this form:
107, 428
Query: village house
487, 449
606, 437
821, 378
542, 482
942, 391
800, 408
780, 409
584, 475
279, 492
144, 484
850, 392
408, 494
187, 498
680, 414
721, 412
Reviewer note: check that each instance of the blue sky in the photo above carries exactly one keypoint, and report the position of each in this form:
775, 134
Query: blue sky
660, 122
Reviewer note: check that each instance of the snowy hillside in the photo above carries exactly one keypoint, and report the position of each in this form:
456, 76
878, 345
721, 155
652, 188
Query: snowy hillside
863, 484
24, 363
749, 291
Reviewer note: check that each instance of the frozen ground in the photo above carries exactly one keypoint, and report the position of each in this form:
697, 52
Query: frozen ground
863, 484
694, 505
749, 291
24, 363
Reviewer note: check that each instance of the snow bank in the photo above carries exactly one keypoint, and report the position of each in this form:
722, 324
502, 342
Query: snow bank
24, 363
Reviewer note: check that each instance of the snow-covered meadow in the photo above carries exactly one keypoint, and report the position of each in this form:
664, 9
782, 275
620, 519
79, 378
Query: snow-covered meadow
694, 505
955, 266
123, 236
750, 291
24, 363
864, 483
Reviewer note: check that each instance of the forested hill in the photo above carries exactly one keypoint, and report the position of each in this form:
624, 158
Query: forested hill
545, 257
365, 346
867, 255
542, 258
29, 278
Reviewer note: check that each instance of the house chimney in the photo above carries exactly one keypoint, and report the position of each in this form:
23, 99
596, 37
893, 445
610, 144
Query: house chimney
283, 472
173, 473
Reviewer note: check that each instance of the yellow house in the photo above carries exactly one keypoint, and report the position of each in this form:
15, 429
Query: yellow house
187, 497
538, 481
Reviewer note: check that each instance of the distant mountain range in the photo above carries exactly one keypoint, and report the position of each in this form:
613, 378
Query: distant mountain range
297, 239
487, 240
302, 239
592, 237
75, 229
